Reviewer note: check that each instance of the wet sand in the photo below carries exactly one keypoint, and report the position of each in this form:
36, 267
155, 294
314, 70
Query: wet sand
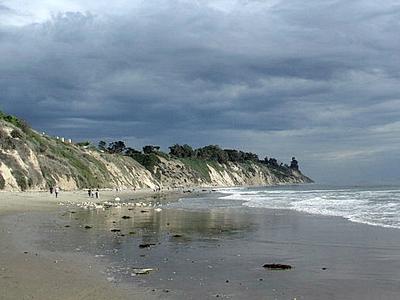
28, 271
196, 253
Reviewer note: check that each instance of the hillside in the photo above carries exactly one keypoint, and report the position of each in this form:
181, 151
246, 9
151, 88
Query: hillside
33, 161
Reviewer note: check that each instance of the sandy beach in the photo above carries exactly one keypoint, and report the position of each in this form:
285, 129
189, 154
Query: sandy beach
26, 273
52, 251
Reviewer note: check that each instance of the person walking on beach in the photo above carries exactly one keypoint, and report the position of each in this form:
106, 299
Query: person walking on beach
97, 194
56, 191
89, 192
51, 190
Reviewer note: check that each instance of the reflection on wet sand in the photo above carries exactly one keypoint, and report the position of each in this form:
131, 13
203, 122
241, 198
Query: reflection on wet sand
190, 253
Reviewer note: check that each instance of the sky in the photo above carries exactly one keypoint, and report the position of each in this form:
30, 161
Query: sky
316, 79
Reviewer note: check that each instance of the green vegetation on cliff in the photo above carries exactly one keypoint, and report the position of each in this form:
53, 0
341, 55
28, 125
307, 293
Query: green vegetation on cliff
29, 160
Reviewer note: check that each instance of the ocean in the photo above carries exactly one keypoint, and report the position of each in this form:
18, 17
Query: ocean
373, 205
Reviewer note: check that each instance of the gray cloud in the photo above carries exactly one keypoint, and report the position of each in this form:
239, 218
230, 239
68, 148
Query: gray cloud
319, 80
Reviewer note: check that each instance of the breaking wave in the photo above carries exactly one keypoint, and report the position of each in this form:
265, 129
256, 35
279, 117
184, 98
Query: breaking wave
373, 206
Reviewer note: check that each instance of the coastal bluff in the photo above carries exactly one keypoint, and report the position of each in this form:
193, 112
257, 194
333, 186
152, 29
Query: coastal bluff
33, 161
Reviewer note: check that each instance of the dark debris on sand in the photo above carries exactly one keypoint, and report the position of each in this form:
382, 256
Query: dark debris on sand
277, 267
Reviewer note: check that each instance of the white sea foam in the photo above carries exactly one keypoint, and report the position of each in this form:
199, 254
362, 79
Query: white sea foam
373, 206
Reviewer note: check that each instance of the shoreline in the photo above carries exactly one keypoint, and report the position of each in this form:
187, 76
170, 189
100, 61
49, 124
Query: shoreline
360, 261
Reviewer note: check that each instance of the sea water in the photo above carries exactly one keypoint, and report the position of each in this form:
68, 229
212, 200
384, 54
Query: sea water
373, 205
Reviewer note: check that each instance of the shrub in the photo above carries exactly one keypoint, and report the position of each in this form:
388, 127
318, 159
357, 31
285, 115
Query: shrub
149, 161
16, 134
3, 134
2, 182
16, 122
20, 178
102, 145
7, 143
83, 144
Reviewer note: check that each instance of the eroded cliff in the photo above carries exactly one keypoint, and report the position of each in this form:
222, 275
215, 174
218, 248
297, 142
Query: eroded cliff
33, 161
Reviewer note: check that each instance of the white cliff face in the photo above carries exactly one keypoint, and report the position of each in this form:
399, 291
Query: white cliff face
35, 162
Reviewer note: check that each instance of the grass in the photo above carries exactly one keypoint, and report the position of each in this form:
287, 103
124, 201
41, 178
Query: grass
199, 166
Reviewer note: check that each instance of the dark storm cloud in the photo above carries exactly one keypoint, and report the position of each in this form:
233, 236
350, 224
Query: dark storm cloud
319, 79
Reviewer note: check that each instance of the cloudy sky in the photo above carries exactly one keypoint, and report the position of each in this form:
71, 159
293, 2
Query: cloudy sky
318, 79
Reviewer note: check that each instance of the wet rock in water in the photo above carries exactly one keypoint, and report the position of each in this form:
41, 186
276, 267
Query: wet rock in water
177, 235
67, 226
88, 227
72, 212
144, 211
132, 232
143, 271
115, 230
324, 268
126, 217
146, 245
277, 267
26, 252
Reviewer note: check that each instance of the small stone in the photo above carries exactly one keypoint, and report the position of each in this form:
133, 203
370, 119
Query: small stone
277, 267
143, 271
146, 245
88, 227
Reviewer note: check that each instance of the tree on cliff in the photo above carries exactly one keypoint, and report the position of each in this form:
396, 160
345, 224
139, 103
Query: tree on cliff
102, 146
181, 151
116, 147
150, 149
130, 151
212, 152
